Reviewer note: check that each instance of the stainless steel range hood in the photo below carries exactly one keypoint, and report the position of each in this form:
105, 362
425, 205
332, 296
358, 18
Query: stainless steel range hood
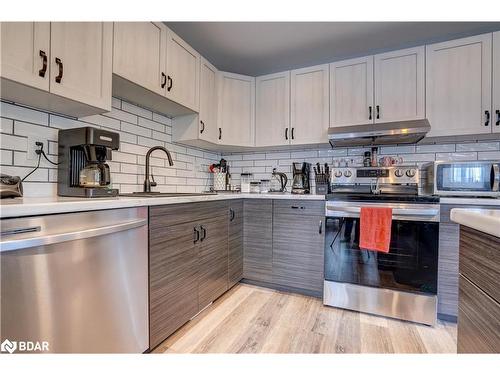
387, 133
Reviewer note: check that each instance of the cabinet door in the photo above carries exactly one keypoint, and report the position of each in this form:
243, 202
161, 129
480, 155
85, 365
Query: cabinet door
400, 85
351, 92
272, 109
81, 61
235, 261
183, 72
298, 246
236, 114
23, 47
208, 130
139, 53
258, 240
496, 82
458, 86
309, 105
213, 260
173, 277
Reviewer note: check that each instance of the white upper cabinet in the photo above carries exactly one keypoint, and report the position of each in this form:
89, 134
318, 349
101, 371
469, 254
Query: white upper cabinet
183, 72
496, 82
400, 85
139, 54
207, 126
236, 115
351, 92
25, 53
458, 86
272, 126
81, 54
309, 117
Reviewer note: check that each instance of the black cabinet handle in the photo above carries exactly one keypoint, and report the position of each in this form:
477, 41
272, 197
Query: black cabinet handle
231, 214
163, 80
220, 133
369, 112
286, 134
378, 111
320, 227
498, 117
196, 235
170, 83
60, 75
202, 127
487, 114
204, 233
42, 71
293, 137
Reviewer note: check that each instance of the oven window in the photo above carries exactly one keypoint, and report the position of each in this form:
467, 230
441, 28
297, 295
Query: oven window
464, 177
410, 265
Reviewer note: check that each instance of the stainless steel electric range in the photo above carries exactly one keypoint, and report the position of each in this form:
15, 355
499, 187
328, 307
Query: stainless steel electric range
401, 283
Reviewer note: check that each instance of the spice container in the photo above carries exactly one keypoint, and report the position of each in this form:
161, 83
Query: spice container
246, 178
255, 187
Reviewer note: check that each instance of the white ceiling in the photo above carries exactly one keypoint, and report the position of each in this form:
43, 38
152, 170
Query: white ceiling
256, 48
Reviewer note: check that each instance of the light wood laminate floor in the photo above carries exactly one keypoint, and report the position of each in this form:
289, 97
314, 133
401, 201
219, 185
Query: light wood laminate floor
250, 319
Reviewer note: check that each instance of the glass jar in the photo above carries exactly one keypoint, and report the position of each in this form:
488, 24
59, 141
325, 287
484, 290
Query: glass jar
264, 186
255, 187
246, 178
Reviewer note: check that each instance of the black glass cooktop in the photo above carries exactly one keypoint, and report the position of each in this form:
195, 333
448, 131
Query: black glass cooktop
352, 197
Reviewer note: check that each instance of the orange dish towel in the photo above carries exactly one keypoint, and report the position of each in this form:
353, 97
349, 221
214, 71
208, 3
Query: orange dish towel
375, 228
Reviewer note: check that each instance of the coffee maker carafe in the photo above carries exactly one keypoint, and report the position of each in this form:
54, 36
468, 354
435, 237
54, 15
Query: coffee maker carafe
300, 184
83, 171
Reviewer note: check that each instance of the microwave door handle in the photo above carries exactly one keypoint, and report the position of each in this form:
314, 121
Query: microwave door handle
495, 177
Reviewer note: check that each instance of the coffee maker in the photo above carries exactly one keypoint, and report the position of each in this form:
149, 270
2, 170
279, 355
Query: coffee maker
300, 184
83, 171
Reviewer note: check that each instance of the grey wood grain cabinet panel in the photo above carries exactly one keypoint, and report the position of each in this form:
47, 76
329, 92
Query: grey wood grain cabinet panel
182, 213
212, 260
448, 269
298, 247
235, 252
478, 320
258, 240
173, 284
299, 207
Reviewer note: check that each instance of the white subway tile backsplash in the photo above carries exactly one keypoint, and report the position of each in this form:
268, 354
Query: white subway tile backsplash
6, 126
24, 129
151, 124
104, 121
450, 147
121, 115
116, 103
456, 156
12, 142
304, 154
142, 112
489, 155
254, 156
410, 149
479, 146
134, 129
21, 113
6, 157
61, 122
161, 119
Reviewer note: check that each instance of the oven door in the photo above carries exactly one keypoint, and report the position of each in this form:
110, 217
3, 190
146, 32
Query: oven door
410, 265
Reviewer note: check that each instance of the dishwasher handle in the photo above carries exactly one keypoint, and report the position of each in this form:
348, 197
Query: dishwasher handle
25, 243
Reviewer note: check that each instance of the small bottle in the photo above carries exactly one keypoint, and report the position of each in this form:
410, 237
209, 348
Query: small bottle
367, 160
374, 157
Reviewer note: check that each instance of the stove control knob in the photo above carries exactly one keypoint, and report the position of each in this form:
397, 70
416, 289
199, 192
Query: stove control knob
411, 173
338, 174
347, 173
398, 173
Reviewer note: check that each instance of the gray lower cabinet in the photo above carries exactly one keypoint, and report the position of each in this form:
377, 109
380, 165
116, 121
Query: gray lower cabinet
298, 245
173, 279
188, 263
258, 240
212, 260
235, 251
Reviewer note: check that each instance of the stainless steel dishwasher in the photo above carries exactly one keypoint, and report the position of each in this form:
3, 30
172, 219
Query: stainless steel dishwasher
78, 281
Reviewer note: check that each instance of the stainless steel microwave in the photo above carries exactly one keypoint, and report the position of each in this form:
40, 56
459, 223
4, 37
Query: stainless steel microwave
468, 178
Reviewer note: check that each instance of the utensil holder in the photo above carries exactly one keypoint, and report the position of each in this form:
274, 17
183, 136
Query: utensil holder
220, 179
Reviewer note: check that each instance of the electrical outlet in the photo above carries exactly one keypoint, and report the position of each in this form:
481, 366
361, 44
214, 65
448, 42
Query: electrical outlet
32, 147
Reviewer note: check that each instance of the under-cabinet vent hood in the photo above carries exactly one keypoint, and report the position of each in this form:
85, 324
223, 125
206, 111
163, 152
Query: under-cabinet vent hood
387, 133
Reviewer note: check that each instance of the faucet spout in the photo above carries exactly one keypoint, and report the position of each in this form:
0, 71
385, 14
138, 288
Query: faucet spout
147, 182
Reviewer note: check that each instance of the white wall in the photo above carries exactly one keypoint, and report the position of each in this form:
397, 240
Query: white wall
139, 130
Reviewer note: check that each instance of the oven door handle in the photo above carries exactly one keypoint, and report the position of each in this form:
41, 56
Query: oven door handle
430, 212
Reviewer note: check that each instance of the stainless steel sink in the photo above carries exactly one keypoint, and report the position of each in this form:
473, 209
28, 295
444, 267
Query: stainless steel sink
139, 194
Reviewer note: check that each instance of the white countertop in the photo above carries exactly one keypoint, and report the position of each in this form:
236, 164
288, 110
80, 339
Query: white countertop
484, 220
470, 201
17, 207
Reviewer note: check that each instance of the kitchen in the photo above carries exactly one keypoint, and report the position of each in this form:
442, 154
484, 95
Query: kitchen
159, 196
